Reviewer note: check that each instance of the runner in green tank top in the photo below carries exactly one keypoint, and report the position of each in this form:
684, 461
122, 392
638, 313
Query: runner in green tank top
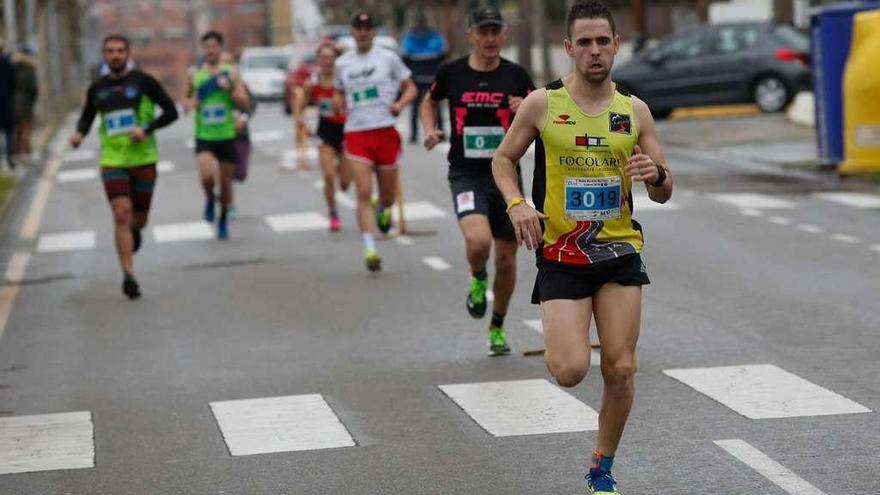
588, 248
214, 91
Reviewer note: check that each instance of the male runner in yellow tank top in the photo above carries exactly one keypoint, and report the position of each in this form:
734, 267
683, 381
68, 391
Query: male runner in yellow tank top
597, 141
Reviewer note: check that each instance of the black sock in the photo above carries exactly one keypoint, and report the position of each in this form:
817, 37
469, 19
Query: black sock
334, 213
497, 319
480, 274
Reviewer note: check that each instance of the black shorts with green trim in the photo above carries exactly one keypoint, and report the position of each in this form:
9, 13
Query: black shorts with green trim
555, 281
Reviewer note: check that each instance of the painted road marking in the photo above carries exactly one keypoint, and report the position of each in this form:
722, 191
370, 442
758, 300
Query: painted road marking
767, 467
749, 212
187, 231
811, 229
46, 442
280, 424
538, 326
522, 407
31, 224
853, 199
165, 166
77, 175
289, 158
437, 263
404, 240
190, 143
296, 222
845, 238
420, 210
66, 241
342, 198
15, 271
268, 135
779, 220
641, 202
535, 325
876, 247
80, 155
752, 201
17, 266
765, 391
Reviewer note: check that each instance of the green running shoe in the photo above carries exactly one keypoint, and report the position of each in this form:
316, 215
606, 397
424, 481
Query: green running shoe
383, 216
498, 342
373, 261
476, 298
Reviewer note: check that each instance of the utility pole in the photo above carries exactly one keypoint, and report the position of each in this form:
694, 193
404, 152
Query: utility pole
524, 35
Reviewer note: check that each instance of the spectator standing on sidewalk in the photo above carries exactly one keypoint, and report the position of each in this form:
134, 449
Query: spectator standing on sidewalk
423, 51
26, 90
7, 88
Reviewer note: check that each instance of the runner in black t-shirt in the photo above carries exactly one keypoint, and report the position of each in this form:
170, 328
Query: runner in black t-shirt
484, 90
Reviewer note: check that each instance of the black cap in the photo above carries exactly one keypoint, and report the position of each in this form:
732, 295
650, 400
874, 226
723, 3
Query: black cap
363, 19
483, 16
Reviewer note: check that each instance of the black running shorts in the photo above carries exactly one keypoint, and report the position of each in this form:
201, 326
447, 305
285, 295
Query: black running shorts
478, 194
562, 282
330, 134
224, 151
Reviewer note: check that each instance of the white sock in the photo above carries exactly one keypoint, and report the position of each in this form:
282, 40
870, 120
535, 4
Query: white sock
369, 242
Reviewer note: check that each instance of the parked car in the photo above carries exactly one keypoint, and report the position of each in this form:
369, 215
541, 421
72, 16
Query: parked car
264, 69
761, 62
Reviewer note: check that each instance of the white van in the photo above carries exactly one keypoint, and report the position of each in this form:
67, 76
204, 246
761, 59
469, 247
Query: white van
264, 69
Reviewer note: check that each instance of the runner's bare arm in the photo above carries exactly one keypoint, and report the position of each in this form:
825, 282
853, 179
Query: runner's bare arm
428, 114
189, 96
339, 100
409, 92
300, 96
648, 156
525, 129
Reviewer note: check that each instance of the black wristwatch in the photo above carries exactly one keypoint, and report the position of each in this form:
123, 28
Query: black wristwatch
662, 178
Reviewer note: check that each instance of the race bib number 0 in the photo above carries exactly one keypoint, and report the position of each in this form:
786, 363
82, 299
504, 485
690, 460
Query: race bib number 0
592, 198
481, 141
214, 114
119, 122
365, 96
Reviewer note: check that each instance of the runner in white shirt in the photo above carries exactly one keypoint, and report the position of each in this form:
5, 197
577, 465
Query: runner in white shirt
368, 81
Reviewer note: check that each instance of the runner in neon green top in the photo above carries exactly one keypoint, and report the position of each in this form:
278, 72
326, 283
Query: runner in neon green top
214, 91
125, 100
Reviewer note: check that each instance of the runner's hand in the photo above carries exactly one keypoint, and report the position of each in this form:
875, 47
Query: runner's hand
396, 109
514, 102
240, 123
224, 82
189, 104
137, 135
641, 167
76, 139
433, 138
527, 225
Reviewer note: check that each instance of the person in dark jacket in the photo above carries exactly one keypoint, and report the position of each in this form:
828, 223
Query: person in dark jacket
7, 88
423, 51
26, 90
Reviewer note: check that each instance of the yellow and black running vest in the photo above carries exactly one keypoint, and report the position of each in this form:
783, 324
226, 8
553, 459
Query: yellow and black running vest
582, 185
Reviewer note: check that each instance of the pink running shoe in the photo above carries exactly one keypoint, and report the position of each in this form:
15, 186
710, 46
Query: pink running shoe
335, 224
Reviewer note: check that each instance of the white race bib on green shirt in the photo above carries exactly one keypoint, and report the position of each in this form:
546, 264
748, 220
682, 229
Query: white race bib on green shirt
481, 141
214, 114
120, 122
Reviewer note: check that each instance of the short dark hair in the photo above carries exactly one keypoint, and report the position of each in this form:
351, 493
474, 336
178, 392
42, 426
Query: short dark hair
116, 37
212, 35
592, 9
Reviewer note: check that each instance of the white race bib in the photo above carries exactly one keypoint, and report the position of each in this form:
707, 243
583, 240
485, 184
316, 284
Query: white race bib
592, 198
465, 202
119, 122
481, 141
365, 96
214, 114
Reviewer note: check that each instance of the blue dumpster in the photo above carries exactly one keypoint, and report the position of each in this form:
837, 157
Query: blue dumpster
831, 34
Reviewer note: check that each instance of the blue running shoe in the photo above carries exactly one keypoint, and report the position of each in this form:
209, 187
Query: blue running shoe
232, 213
223, 228
209, 210
599, 478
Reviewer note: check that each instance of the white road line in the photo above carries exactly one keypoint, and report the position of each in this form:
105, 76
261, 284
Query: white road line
296, 222
765, 391
165, 166
190, 143
17, 266
752, 200
77, 175
490, 296
80, 155
342, 198
280, 424
31, 224
811, 229
876, 247
641, 202
768, 468
290, 157
853, 199
187, 231
847, 239
66, 241
535, 325
404, 240
749, 212
420, 210
437, 263
267, 135
779, 220
46, 442
522, 407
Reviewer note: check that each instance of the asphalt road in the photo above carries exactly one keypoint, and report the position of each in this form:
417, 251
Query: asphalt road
783, 276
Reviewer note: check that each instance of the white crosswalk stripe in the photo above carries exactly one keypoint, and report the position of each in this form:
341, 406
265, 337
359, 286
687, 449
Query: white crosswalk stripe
765, 391
46, 442
187, 231
437, 263
66, 241
767, 467
165, 166
522, 407
753, 201
852, 199
280, 424
297, 222
80, 155
77, 175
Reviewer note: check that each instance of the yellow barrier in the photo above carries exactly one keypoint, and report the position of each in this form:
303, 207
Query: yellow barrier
861, 97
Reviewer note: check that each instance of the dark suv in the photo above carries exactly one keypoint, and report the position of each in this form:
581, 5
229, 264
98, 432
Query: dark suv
764, 63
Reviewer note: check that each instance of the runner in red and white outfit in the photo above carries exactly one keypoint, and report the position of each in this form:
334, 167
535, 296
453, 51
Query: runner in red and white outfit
369, 79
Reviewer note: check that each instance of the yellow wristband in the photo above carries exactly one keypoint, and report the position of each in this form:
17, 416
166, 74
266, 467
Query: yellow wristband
515, 201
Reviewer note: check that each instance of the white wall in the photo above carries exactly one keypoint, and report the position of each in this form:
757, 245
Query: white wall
741, 10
